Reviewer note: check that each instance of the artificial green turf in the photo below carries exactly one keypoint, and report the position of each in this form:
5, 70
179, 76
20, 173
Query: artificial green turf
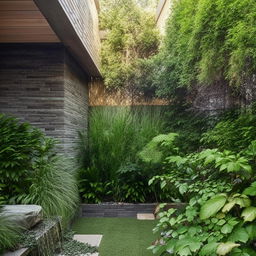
121, 236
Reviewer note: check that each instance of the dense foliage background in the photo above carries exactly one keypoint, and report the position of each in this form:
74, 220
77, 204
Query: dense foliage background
207, 42
110, 167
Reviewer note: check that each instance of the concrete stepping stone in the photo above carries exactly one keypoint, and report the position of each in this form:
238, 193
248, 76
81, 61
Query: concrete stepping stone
145, 216
20, 252
93, 240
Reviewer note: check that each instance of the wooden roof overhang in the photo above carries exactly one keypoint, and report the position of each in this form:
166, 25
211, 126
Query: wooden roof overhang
55, 14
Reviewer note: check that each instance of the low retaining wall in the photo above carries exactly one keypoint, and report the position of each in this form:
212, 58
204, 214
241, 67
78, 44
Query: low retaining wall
119, 210
115, 210
47, 236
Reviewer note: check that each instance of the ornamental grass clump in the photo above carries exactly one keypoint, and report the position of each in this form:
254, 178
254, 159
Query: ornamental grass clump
54, 187
116, 135
9, 233
110, 166
31, 172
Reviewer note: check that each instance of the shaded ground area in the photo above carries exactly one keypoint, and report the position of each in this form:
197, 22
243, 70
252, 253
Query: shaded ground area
121, 236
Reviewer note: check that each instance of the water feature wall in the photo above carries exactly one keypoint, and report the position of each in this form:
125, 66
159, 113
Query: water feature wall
48, 236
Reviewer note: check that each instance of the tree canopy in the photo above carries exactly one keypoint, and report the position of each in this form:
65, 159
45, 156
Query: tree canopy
131, 36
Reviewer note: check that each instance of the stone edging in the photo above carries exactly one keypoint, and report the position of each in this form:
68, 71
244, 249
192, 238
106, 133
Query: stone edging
118, 210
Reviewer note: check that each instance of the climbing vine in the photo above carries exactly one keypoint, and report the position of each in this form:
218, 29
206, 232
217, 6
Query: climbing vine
208, 42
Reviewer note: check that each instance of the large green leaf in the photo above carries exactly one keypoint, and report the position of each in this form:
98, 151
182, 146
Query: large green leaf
251, 230
249, 213
225, 248
239, 234
228, 206
209, 249
157, 249
250, 191
192, 243
212, 206
184, 252
227, 228
237, 199
171, 245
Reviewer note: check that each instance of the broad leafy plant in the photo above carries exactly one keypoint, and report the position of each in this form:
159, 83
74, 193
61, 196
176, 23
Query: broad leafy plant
238, 235
155, 150
219, 216
19, 146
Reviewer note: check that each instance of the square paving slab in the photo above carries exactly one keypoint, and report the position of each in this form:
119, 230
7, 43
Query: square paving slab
145, 216
93, 240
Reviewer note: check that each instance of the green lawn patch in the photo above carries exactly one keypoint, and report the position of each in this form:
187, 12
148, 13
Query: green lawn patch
121, 236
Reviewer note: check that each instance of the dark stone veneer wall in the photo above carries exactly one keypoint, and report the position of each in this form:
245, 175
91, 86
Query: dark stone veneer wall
42, 84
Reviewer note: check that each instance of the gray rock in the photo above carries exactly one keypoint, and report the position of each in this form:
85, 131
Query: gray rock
27, 216
48, 237
20, 252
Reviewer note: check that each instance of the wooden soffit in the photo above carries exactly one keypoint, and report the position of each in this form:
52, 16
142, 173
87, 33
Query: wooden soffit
22, 22
64, 27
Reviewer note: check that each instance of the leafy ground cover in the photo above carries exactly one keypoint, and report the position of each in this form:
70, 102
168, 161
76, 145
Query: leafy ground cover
121, 236
218, 184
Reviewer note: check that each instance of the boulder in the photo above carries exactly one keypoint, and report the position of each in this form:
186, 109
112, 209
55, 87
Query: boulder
26, 216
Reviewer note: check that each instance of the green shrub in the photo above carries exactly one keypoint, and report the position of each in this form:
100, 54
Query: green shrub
132, 184
19, 146
32, 173
233, 133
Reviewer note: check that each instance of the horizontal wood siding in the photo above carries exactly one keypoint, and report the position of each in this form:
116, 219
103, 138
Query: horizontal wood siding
21, 21
83, 15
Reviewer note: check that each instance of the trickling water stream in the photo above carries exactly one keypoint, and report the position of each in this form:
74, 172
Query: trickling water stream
48, 235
